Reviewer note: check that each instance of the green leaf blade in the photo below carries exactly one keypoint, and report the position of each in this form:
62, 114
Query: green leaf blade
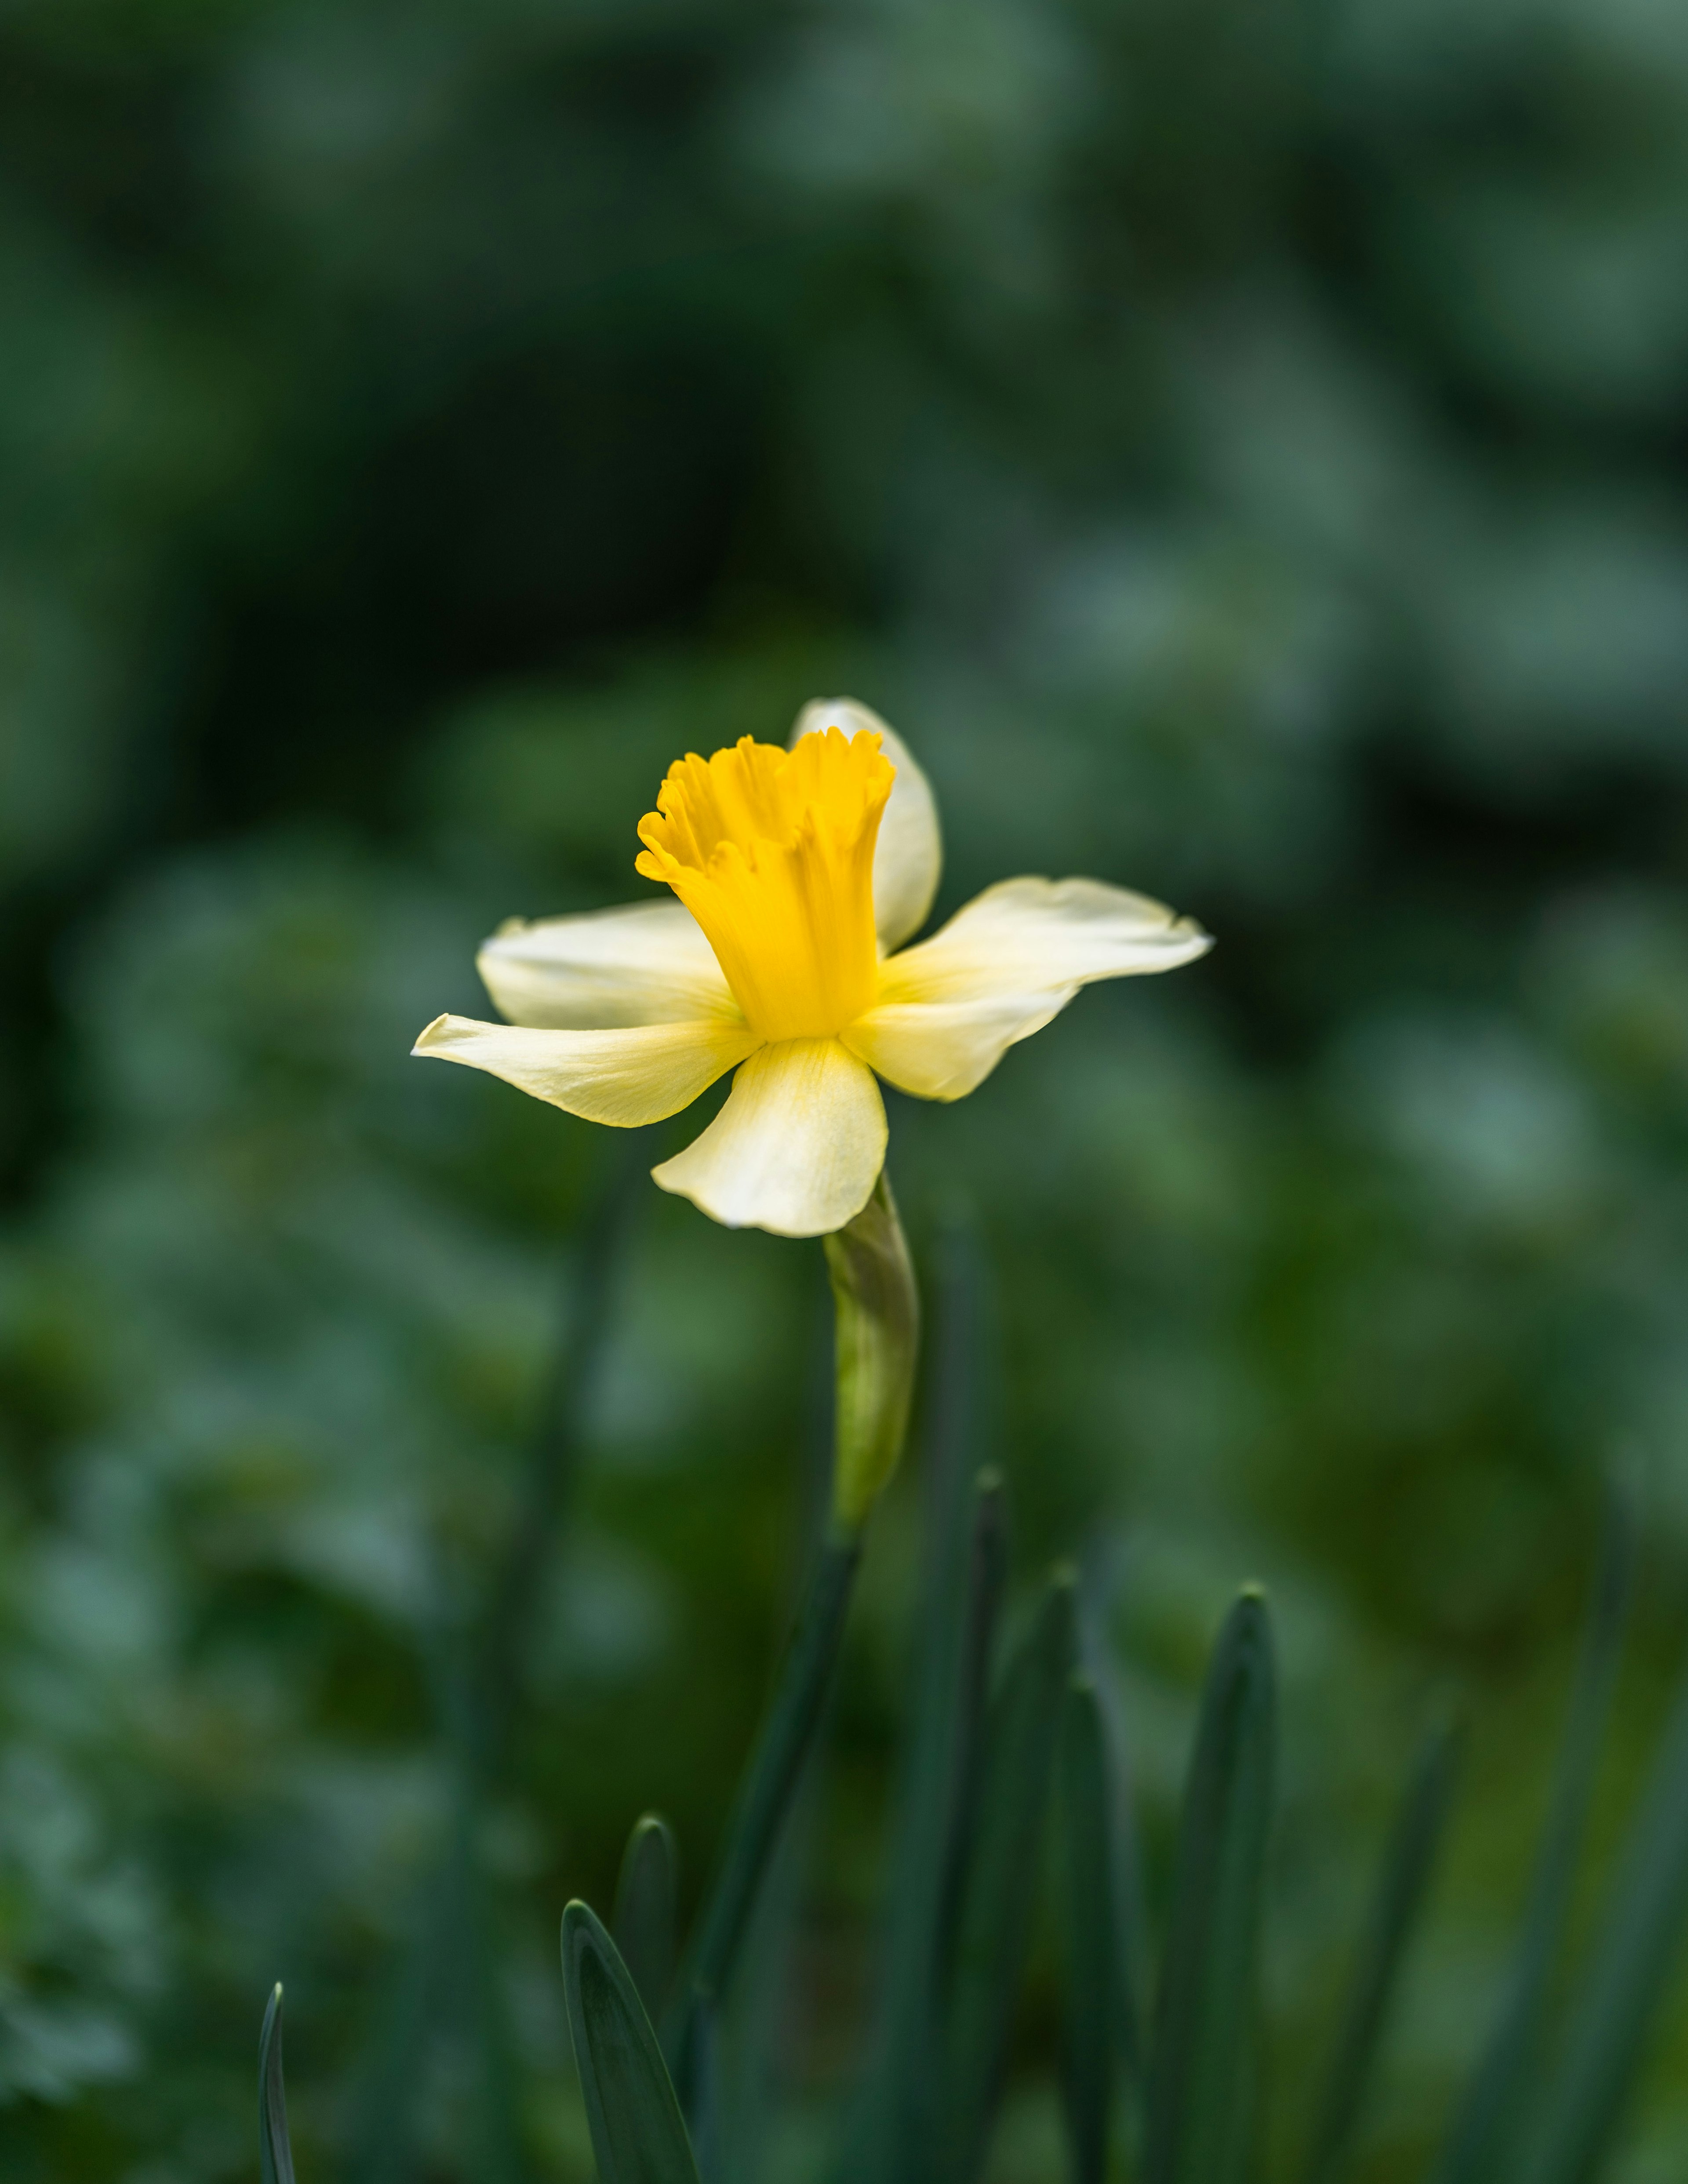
892, 2129
1634, 1955
638, 2134
1200, 2122
1483, 2145
1096, 1995
646, 1909
998, 1894
275, 2149
1402, 1886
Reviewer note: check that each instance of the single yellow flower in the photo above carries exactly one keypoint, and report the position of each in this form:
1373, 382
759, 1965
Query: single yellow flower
801, 875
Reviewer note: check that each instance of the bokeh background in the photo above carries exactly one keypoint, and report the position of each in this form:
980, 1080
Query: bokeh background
1241, 444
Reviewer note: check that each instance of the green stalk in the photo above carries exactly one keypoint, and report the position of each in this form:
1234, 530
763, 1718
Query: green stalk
963, 1567
877, 1337
766, 1792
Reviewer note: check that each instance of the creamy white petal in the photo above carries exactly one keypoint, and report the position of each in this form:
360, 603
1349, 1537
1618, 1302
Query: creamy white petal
638, 1074
644, 963
1025, 934
944, 1050
910, 857
797, 1148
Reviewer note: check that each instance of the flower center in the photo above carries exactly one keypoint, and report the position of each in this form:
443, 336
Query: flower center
772, 852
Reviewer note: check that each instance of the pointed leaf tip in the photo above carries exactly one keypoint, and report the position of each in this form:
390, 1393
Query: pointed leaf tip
1095, 1993
645, 1908
999, 1881
275, 2152
634, 2117
1201, 2122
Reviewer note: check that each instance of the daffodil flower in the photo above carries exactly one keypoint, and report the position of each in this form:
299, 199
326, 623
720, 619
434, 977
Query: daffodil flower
797, 878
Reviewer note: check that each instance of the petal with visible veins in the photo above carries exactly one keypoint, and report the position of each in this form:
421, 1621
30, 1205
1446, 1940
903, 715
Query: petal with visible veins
643, 963
1027, 935
798, 1147
944, 1050
627, 1076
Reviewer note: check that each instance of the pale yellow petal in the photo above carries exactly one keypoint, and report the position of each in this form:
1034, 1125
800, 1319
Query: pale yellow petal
798, 1147
910, 857
1026, 934
627, 1077
944, 1050
644, 963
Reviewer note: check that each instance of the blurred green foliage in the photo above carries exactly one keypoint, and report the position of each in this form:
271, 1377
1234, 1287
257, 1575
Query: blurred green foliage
1241, 445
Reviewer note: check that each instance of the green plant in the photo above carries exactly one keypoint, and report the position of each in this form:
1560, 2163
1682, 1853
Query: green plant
1008, 1732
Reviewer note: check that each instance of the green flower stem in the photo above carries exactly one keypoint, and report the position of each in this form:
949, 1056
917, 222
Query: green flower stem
877, 1338
767, 1793
879, 1341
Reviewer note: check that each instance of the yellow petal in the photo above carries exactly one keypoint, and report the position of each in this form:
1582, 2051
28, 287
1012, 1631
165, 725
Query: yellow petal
798, 1147
944, 1050
627, 1076
644, 963
1025, 935
909, 856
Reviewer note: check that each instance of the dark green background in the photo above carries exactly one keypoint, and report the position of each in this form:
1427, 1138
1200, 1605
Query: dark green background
1241, 444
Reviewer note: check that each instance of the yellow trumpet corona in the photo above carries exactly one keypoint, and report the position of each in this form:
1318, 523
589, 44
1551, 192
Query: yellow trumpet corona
797, 876
772, 852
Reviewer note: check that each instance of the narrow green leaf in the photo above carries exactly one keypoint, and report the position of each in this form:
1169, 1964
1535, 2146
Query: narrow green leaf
275, 2153
637, 2135
704, 2105
1581, 2103
999, 1889
1090, 1902
1200, 2123
970, 1707
893, 2126
1483, 2145
1131, 1919
645, 1908
1407, 1866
